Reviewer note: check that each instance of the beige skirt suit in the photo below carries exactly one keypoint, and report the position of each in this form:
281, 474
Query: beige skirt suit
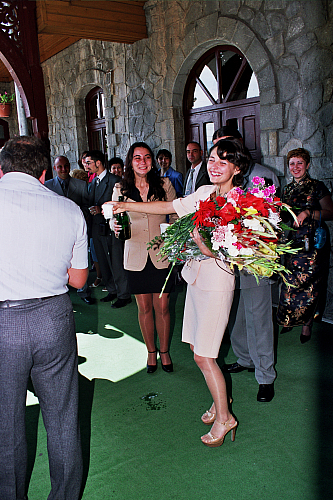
209, 294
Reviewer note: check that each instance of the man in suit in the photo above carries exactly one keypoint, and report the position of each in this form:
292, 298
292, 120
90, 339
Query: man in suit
77, 191
251, 322
41, 256
197, 175
109, 250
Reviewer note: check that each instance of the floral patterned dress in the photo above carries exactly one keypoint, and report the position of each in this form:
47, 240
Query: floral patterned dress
309, 269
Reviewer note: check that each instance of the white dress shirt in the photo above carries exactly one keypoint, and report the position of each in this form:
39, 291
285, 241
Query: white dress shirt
195, 175
42, 235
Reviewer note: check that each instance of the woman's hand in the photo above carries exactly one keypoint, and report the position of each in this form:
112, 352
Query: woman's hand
118, 206
116, 228
202, 247
301, 217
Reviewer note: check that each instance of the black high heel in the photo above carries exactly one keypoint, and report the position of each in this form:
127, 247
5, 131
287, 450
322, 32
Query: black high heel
167, 368
305, 338
152, 368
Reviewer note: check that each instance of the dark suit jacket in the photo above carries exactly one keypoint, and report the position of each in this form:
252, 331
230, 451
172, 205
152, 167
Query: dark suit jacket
202, 178
77, 192
101, 194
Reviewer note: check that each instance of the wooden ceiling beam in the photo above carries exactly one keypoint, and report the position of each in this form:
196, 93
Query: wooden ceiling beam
112, 21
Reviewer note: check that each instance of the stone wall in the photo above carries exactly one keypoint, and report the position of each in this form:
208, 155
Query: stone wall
288, 44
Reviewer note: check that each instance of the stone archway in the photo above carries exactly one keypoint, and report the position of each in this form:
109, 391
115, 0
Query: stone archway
20, 54
235, 33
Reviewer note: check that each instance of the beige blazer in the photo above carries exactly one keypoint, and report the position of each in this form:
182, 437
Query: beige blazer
208, 274
144, 228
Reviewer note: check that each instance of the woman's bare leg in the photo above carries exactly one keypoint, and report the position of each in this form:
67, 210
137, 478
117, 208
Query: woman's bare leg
162, 320
146, 322
217, 387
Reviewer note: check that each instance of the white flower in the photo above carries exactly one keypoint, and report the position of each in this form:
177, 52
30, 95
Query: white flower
233, 251
253, 224
246, 251
274, 218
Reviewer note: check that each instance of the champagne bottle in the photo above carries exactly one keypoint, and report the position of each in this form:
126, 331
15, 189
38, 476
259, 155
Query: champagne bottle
124, 221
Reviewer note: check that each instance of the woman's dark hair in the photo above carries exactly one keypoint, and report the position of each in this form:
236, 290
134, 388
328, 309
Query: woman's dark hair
25, 154
299, 153
116, 160
82, 155
164, 152
234, 151
153, 177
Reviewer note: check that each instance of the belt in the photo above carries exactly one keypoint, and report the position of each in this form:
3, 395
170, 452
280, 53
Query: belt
15, 303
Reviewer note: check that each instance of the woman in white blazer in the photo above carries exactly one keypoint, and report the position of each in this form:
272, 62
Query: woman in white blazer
210, 285
146, 273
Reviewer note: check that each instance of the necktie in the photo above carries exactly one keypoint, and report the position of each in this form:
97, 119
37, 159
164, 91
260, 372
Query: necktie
189, 183
97, 181
64, 187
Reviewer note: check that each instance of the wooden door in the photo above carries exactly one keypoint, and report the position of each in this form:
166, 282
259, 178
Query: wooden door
96, 120
222, 90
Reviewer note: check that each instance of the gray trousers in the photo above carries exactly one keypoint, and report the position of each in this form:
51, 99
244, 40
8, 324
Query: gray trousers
251, 331
39, 340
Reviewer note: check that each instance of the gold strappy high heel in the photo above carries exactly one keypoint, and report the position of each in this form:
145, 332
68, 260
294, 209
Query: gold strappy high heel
211, 415
214, 441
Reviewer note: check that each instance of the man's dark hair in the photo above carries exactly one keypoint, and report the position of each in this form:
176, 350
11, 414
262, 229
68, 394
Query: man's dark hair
194, 142
96, 155
114, 160
164, 152
234, 151
25, 154
153, 177
226, 131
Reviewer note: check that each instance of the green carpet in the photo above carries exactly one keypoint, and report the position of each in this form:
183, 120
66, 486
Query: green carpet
141, 434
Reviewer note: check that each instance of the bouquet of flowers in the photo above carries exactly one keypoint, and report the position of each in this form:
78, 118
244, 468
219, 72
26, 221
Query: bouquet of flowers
242, 229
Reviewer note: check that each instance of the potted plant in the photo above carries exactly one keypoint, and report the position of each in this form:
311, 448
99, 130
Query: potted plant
5, 104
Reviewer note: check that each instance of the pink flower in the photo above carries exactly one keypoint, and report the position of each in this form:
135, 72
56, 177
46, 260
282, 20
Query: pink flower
258, 180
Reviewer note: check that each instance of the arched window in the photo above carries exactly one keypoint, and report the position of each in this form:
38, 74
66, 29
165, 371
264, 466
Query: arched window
222, 90
96, 120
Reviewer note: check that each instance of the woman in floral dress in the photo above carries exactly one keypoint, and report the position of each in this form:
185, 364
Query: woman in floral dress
311, 201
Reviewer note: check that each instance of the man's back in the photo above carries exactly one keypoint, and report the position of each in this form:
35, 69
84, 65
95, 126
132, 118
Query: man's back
37, 236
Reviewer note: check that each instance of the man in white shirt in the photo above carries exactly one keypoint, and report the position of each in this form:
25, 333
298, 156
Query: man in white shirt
43, 243
197, 175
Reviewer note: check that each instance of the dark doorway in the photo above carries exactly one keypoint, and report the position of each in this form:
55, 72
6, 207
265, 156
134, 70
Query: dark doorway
96, 120
4, 132
222, 90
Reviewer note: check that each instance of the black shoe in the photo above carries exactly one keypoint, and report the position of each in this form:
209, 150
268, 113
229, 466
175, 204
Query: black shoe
235, 368
109, 297
167, 368
286, 329
121, 303
152, 368
88, 300
265, 393
304, 338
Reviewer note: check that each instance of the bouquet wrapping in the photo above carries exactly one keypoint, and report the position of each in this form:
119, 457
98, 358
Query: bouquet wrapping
243, 229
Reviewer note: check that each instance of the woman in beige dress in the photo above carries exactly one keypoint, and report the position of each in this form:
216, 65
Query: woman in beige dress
210, 285
146, 273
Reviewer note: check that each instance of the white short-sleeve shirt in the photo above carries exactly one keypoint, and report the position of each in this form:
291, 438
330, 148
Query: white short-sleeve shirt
42, 235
